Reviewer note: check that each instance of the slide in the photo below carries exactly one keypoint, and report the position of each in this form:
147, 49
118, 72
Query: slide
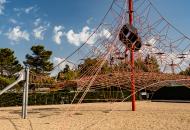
21, 77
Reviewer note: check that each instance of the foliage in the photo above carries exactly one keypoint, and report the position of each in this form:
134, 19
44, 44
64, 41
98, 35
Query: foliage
185, 72
40, 79
15, 99
67, 74
8, 63
66, 69
152, 64
91, 64
39, 60
149, 64
6, 81
140, 65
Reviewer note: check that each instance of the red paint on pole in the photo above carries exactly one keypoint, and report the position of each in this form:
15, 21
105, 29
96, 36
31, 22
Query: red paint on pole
130, 4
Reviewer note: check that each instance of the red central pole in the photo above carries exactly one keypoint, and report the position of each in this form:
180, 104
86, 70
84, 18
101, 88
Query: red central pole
130, 4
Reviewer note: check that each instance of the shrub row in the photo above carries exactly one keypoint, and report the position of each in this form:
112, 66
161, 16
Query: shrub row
15, 99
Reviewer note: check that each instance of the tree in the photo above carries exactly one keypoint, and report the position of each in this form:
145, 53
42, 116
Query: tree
151, 64
185, 72
140, 65
8, 62
66, 69
93, 64
67, 74
5, 81
39, 60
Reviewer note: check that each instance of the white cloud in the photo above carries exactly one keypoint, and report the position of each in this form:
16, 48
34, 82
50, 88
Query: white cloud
29, 9
81, 37
78, 38
2, 6
56, 61
16, 9
13, 21
89, 20
104, 33
37, 21
166, 59
57, 34
39, 32
16, 34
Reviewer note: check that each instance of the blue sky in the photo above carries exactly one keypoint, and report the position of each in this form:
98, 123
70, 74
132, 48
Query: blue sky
176, 12
24, 23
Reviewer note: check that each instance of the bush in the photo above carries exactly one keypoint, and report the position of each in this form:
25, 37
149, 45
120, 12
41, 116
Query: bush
65, 97
6, 81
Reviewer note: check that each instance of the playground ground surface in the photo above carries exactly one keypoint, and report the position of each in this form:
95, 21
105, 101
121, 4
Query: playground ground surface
99, 116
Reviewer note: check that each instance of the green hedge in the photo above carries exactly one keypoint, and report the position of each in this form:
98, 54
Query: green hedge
6, 81
15, 99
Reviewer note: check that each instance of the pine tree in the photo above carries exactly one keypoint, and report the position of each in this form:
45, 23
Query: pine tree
185, 72
8, 62
39, 60
152, 64
67, 74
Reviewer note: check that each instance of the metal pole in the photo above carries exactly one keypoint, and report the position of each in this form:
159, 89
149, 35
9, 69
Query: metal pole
25, 94
130, 4
27, 86
23, 100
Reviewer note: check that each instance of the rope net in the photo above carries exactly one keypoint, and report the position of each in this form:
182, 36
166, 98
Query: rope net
164, 53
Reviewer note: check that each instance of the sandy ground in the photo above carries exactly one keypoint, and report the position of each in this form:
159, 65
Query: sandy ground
99, 116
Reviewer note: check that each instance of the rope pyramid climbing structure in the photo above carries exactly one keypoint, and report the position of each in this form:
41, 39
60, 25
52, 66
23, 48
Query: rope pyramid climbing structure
133, 46
133, 52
